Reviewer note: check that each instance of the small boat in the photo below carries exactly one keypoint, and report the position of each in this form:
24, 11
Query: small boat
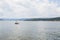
16, 22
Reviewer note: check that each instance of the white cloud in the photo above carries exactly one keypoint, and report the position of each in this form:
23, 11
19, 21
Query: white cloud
28, 8
58, 9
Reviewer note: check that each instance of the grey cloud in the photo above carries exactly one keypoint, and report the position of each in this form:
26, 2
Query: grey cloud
29, 8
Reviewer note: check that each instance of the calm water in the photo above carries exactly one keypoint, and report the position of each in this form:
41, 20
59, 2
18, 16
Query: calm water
30, 30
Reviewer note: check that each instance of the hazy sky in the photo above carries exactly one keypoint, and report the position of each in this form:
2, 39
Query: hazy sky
29, 8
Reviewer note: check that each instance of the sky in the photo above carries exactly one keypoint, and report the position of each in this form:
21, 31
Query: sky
29, 8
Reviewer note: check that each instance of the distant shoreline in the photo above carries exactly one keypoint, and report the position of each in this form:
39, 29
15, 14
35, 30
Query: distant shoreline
32, 19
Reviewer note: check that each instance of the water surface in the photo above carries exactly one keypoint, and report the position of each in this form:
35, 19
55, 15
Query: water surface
30, 30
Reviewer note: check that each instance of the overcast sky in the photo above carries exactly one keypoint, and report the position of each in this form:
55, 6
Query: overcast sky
29, 8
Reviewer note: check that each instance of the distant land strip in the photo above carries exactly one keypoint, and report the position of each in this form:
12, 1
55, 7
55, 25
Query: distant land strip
31, 19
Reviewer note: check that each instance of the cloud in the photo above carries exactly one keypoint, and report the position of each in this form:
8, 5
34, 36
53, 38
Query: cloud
29, 9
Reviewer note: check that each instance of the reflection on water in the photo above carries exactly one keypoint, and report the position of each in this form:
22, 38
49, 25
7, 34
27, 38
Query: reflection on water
29, 30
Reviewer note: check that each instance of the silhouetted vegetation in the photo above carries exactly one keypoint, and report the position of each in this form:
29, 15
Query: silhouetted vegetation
44, 19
